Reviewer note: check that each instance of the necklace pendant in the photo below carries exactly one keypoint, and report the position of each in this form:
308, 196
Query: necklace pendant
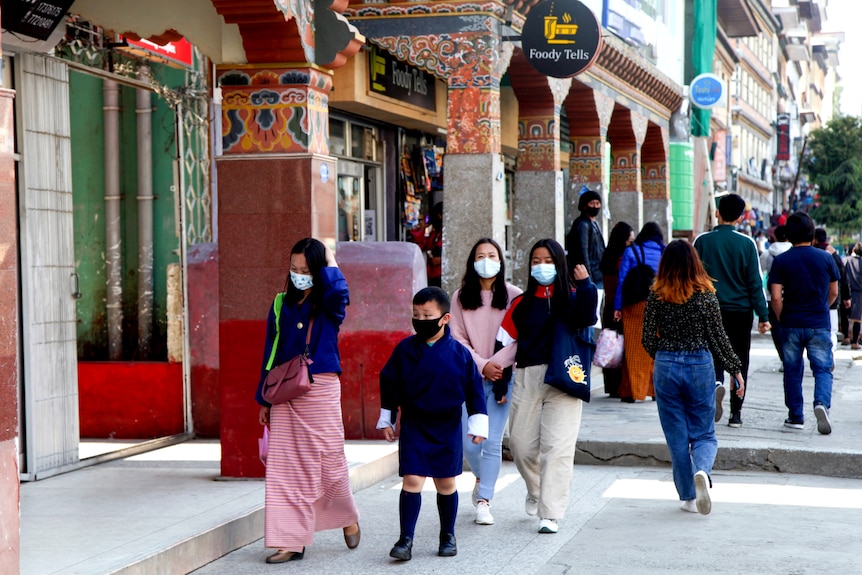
299, 325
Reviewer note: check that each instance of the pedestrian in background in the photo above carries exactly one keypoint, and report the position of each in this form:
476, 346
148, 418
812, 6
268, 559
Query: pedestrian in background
853, 268
622, 236
544, 420
637, 380
478, 307
584, 243
731, 259
779, 246
821, 241
429, 376
683, 332
428, 235
307, 482
804, 283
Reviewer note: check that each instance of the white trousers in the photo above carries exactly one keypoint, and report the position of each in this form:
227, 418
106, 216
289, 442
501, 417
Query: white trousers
544, 424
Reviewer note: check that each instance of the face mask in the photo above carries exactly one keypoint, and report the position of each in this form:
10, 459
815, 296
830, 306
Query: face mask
301, 281
486, 268
592, 212
544, 273
426, 328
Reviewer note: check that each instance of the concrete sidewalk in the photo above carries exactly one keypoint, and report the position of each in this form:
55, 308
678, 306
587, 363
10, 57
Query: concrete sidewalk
165, 512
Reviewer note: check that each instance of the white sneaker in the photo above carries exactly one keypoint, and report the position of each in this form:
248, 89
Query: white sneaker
531, 506
701, 488
719, 397
483, 513
475, 497
824, 425
548, 526
689, 505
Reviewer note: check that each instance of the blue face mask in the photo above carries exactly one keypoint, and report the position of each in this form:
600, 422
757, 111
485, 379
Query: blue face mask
545, 274
487, 268
301, 282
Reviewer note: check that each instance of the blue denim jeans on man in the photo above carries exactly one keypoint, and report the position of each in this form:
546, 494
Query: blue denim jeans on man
685, 394
485, 458
818, 344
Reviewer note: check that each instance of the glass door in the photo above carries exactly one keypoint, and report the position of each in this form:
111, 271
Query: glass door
351, 199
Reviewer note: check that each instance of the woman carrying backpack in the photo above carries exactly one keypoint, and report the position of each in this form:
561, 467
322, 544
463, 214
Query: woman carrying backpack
638, 267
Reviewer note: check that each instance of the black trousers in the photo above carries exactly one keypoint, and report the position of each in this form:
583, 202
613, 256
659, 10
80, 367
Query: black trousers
737, 326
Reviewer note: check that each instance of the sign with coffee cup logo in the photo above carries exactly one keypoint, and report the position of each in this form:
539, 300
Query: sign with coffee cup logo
561, 38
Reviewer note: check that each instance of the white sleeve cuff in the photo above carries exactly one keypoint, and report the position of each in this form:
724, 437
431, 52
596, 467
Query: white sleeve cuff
385, 419
477, 425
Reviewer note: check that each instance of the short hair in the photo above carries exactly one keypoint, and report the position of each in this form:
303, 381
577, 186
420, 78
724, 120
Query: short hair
800, 228
820, 236
781, 233
435, 294
731, 207
857, 249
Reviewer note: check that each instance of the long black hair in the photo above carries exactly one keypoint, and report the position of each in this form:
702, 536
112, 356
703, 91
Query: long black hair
562, 284
315, 257
470, 296
617, 243
650, 232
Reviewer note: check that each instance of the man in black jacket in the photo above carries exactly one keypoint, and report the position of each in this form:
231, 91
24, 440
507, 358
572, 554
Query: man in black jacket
584, 242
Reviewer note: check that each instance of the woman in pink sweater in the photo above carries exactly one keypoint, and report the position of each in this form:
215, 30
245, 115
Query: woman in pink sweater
477, 311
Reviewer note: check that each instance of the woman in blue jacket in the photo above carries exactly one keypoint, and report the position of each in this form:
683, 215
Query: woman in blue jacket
629, 305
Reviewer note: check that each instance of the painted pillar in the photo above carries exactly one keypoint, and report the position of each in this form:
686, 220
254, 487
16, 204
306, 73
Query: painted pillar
474, 203
655, 180
276, 185
588, 161
9, 310
539, 208
626, 196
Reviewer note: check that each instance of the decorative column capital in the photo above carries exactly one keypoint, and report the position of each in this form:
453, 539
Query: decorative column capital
274, 109
639, 127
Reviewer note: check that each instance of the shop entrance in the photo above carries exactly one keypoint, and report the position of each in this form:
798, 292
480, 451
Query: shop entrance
360, 203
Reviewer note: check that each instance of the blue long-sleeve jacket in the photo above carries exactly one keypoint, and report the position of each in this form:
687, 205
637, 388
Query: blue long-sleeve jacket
651, 255
324, 333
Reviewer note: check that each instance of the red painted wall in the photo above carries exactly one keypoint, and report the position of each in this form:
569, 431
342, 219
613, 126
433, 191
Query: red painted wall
9, 488
204, 339
130, 400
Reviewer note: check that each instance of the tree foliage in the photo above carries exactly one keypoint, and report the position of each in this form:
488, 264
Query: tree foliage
834, 164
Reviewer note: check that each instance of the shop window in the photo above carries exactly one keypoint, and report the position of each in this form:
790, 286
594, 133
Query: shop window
337, 137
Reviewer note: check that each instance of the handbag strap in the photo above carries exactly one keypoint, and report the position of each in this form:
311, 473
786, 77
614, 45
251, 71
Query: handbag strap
276, 307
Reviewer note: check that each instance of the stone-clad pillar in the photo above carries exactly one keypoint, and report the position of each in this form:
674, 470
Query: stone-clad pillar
539, 209
655, 179
626, 197
9, 343
276, 185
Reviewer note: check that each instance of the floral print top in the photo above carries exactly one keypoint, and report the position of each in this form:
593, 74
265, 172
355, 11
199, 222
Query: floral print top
691, 326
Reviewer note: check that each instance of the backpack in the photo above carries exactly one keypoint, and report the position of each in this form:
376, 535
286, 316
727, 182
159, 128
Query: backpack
638, 281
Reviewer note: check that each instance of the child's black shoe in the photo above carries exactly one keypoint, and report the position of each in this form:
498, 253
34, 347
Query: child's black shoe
448, 548
403, 549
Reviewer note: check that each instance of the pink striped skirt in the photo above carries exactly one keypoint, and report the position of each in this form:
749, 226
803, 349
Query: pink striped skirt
307, 482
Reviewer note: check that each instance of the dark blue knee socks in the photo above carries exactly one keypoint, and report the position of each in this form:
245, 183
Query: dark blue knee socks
408, 508
447, 507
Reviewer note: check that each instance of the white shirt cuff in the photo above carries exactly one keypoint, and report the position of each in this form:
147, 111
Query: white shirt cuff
477, 425
385, 419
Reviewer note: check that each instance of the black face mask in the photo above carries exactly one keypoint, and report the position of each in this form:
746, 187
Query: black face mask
426, 328
592, 212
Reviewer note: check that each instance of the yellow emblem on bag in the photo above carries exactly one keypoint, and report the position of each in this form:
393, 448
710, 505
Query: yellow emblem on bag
575, 369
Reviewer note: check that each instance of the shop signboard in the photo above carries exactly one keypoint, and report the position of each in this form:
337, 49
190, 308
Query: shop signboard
783, 136
177, 54
561, 38
34, 18
400, 81
706, 91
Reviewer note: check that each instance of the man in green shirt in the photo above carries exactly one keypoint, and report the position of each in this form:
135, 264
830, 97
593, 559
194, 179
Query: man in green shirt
731, 259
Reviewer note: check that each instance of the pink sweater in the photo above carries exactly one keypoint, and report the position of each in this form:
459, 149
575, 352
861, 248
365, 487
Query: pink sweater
477, 329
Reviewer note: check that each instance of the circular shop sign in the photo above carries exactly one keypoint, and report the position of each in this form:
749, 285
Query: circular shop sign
561, 38
706, 91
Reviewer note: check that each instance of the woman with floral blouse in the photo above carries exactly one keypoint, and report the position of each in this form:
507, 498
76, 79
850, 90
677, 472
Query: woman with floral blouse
683, 332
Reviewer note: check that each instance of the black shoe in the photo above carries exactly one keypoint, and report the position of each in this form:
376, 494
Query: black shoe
735, 420
791, 423
448, 548
403, 550
627, 399
285, 556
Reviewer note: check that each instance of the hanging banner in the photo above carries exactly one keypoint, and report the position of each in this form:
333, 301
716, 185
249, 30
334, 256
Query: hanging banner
783, 137
561, 38
33, 18
179, 54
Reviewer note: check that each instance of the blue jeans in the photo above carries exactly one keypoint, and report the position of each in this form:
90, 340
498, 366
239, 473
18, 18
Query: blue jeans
685, 394
486, 457
818, 343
